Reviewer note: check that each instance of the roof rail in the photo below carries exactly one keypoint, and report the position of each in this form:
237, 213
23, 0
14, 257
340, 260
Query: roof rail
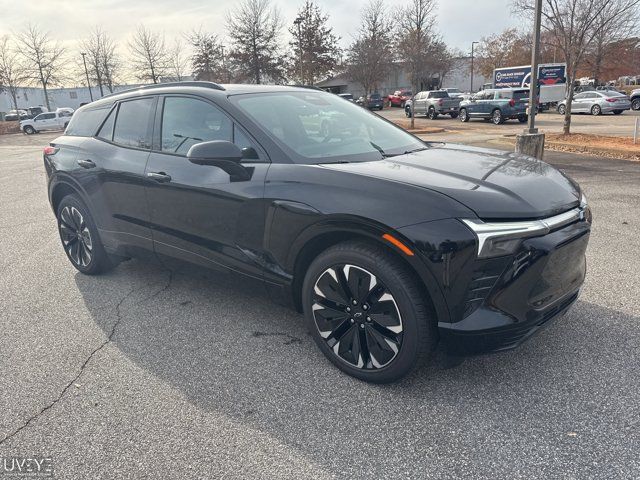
204, 84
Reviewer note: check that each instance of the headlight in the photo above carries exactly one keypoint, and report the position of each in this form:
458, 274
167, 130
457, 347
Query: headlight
583, 201
503, 238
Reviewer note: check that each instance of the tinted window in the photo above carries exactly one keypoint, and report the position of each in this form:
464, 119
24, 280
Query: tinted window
520, 95
187, 121
84, 123
438, 95
132, 123
106, 131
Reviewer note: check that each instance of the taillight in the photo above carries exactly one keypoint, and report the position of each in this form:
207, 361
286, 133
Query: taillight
612, 100
512, 103
50, 150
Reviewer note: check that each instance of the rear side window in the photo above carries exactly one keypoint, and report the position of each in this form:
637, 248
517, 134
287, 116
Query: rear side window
85, 123
106, 131
520, 94
132, 123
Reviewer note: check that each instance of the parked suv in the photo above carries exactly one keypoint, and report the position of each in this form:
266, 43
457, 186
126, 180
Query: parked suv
497, 105
387, 244
57, 120
372, 101
635, 99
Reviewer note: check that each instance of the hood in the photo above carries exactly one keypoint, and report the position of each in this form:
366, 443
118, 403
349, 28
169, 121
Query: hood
494, 184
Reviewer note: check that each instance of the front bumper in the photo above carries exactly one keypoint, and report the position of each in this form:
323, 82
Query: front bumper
510, 298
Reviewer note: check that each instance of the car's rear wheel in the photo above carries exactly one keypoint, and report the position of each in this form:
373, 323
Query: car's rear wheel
80, 239
596, 110
454, 115
432, 114
496, 117
29, 130
367, 312
523, 118
562, 109
635, 104
464, 115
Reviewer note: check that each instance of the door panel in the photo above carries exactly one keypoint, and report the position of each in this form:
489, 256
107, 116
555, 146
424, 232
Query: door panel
197, 212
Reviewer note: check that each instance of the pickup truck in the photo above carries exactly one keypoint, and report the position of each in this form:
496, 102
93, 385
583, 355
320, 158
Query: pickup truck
432, 104
57, 120
399, 98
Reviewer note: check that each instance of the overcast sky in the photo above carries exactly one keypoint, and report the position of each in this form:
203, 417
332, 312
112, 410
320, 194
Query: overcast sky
460, 21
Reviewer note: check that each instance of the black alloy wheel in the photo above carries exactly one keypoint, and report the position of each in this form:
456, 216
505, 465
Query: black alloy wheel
80, 238
366, 312
562, 109
432, 114
635, 104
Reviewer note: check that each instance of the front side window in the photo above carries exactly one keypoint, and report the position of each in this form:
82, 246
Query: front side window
187, 121
132, 123
316, 127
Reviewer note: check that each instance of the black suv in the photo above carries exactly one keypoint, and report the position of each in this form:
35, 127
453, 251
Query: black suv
387, 243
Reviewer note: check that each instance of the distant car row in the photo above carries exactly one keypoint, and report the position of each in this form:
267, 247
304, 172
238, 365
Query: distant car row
24, 114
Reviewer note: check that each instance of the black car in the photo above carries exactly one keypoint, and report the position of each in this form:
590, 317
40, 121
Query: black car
387, 243
372, 102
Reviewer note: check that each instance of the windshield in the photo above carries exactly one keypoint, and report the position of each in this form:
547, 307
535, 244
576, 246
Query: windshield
438, 94
316, 127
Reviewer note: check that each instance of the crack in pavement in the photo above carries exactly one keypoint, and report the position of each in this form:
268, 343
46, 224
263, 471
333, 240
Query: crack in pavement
109, 338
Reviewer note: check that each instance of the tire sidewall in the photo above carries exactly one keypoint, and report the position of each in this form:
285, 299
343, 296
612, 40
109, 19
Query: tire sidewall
464, 116
596, 110
494, 119
410, 348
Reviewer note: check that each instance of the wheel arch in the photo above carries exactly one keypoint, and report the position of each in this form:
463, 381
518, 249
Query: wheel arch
315, 241
61, 189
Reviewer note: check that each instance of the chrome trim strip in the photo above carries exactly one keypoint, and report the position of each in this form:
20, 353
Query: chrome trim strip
529, 228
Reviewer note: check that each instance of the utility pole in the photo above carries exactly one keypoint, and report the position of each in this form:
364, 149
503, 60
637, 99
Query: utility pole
530, 142
298, 21
224, 67
473, 44
535, 55
84, 60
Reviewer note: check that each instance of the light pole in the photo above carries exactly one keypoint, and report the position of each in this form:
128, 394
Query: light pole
84, 60
473, 44
535, 54
298, 21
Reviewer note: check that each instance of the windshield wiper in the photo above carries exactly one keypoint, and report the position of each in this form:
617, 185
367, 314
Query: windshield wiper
420, 149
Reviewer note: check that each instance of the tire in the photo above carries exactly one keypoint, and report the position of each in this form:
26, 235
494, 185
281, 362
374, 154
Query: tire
66, 124
29, 130
454, 115
496, 117
562, 109
617, 112
596, 110
523, 118
432, 114
635, 104
86, 253
464, 116
407, 112
411, 335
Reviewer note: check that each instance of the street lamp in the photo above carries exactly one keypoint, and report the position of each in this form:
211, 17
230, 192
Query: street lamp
298, 21
84, 60
473, 44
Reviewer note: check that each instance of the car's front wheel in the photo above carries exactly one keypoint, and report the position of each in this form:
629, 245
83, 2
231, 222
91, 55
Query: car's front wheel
432, 114
496, 117
407, 112
596, 110
367, 312
464, 115
562, 109
80, 239
635, 104
29, 130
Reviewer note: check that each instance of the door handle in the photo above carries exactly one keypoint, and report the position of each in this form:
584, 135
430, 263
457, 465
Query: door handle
159, 177
86, 163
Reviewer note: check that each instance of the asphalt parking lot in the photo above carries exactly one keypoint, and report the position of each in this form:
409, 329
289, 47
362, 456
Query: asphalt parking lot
168, 371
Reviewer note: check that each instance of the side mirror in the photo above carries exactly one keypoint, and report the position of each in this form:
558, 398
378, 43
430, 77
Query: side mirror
221, 154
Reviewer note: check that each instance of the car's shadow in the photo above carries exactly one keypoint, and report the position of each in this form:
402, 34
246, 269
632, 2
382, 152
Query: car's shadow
222, 343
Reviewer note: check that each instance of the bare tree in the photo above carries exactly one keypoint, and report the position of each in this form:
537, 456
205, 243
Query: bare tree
416, 41
12, 72
102, 59
207, 60
149, 55
314, 48
178, 61
43, 58
574, 25
254, 28
369, 56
